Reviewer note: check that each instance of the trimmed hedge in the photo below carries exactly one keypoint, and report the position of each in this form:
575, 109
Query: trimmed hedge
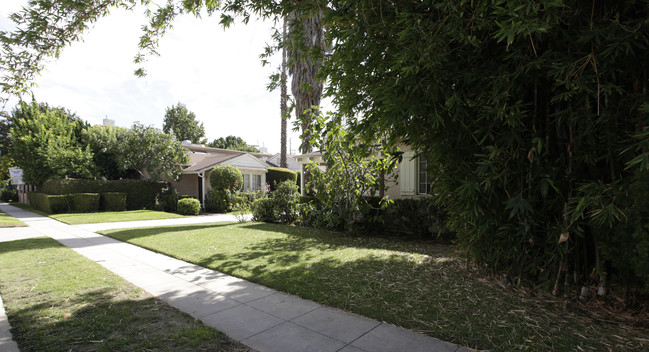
48, 203
278, 175
189, 206
226, 177
112, 201
85, 202
140, 194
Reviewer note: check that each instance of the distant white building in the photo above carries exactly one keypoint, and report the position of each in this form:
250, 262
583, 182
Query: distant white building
292, 163
108, 122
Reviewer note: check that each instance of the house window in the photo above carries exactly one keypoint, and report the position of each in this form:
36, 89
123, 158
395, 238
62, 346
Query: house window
256, 182
251, 182
424, 181
246, 182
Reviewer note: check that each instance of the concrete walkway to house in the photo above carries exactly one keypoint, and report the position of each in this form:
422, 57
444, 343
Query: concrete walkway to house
261, 318
189, 220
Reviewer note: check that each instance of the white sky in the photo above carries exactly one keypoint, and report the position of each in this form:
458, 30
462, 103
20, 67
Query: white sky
216, 73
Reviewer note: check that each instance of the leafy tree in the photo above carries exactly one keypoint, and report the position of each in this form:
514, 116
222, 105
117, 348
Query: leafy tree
305, 51
45, 143
182, 123
5, 163
104, 141
232, 143
145, 148
5, 137
353, 174
532, 115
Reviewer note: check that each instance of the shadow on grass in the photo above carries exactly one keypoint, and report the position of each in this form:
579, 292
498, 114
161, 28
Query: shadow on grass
22, 244
430, 294
59, 301
141, 232
103, 321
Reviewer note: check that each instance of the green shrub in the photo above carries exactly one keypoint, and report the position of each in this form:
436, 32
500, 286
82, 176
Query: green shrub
278, 175
306, 199
263, 210
70, 185
167, 200
313, 214
58, 203
140, 194
243, 201
85, 202
226, 177
414, 217
38, 201
8, 194
51, 204
112, 201
189, 206
219, 201
280, 207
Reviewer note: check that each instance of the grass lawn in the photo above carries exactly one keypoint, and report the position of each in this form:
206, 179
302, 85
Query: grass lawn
106, 216
9, 221
421, 286
57, 300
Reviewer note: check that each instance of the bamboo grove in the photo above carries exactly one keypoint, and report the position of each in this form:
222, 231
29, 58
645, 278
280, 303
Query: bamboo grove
531, 114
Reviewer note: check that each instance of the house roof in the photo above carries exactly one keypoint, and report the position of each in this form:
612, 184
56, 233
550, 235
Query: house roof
313, 156
290, 159
200, 161
202, 148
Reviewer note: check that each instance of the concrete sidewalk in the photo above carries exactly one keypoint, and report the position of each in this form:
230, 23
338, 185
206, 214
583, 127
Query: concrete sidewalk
263, 319
201, 219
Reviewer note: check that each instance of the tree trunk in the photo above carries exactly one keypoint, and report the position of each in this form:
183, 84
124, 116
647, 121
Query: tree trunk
282, 105
305, 52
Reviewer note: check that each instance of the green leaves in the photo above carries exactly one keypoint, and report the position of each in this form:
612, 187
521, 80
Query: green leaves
232, 143
150, 150
182, 123
354, 171
46, 144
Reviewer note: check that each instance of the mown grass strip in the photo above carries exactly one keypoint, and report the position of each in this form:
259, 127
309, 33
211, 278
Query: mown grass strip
421, 286
9, 221
106, 216
57, 300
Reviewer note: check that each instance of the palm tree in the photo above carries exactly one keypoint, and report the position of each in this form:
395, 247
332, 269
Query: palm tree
282, 104
305, 53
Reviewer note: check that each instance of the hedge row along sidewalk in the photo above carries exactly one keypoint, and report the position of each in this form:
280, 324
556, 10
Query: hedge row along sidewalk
58, 300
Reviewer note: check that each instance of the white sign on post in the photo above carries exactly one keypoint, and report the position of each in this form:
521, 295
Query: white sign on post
16, 176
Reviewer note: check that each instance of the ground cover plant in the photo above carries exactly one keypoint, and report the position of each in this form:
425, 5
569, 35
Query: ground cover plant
9, 221
107, 216
418, 285
57, 300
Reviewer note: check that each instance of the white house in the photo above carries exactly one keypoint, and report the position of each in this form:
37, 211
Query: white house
412, 180
195, 178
